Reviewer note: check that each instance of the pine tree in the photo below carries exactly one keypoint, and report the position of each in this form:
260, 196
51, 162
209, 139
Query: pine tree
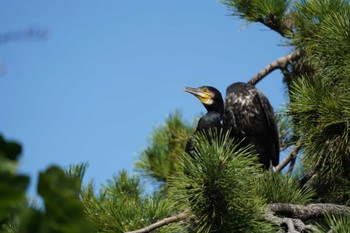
315, 121
220, 187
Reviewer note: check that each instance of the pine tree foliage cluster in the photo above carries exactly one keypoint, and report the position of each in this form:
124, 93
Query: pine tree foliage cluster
220, 187
318, 83
218, 184
167, 142
121, 205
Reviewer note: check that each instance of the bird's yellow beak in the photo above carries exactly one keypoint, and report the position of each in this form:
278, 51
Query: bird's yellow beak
202, 95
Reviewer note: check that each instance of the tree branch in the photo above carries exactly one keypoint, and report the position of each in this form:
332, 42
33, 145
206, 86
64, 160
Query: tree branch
277, 64
307, 212
275, 26
291, 166
163, 222
293, 216
293, 225
311, 174
292, 154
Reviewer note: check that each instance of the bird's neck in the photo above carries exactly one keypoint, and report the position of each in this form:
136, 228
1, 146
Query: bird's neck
217, 109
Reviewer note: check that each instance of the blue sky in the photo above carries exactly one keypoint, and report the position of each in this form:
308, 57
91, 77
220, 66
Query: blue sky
111, 71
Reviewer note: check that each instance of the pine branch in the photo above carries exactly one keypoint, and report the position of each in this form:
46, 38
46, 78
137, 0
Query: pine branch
275, 26
311, 174
293, 225
307, 212
280, 63
292, 154
163, 222
291, 166
294, 215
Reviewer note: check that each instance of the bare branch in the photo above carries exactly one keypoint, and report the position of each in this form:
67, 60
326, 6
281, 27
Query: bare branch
163, 222
306, 212
292, 154
291, 166
277, 64
270, 217
311, 174
293, 216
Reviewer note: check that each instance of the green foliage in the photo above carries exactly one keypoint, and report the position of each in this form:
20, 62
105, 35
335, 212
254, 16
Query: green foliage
218, 185
335, 224
331, 45
280, 188
121, 205
77, 171
167, 142
319, 101
309, 16
321, 110
12, 186
63, 211
285, 128
9, 155
272, 13
323, 118
12, 194
221, 184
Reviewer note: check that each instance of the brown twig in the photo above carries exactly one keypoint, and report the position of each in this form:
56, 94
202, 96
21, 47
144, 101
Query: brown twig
277, 64
309, 175
163, 222
291, 166
292, 154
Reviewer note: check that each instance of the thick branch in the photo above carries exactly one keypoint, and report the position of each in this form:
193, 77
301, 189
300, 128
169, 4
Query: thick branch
163, 222
293, 225
307, 212
277, 64
292, 154
293, 216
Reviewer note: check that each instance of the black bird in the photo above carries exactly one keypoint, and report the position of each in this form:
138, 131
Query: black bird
250, 117
247, 114
212, 100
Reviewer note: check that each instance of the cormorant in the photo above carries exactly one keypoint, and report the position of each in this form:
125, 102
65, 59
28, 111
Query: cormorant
250, 117
212, 100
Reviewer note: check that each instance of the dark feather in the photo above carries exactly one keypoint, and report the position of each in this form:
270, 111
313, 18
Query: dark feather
250, 117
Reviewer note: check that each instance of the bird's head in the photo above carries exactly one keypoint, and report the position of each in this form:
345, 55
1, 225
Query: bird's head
209, 96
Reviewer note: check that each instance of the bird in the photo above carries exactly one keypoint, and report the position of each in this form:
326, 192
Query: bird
249, 116
213, 102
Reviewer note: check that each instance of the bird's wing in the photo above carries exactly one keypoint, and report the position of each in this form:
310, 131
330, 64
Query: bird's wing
272, 125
